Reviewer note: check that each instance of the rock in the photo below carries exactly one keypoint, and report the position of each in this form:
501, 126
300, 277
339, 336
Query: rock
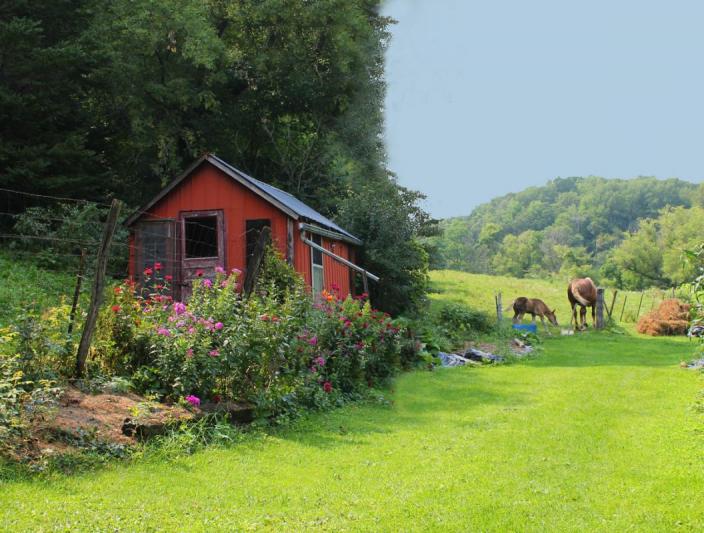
237, 413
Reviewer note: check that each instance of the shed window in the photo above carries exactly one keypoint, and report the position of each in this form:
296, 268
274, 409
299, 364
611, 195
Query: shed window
317, 274
201, 236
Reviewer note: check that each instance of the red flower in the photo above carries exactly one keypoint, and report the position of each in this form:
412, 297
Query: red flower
327, 387
168, 277
199, 273
157, 266
117, 290
148, 271
116, 308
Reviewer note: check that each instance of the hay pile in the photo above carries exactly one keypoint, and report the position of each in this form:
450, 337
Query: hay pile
670, 318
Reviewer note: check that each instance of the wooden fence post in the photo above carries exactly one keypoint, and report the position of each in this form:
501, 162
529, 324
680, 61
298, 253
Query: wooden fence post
96, 295
639, 304
499, 308
255, 262
600, 308
77, 291
625, 299
610, 310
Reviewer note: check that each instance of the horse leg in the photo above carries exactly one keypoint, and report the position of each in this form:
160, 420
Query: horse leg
515, 317
532, 318
583, 317
573, 316
547, 329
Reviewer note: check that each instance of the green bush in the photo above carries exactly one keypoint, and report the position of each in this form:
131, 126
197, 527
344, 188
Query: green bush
21, 401
277, 348
459, 321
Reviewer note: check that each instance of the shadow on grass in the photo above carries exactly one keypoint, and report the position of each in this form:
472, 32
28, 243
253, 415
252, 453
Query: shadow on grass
422, 404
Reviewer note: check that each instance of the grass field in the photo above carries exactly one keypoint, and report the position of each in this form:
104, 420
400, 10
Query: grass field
597, 433
478, 290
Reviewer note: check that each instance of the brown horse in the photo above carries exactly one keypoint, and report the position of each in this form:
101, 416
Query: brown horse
582, 292
532, 306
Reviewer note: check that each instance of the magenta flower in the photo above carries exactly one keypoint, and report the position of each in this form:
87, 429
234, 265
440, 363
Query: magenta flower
219, 270
327, 387
193, 400
218, 325
189, 352
313, 341
214, 353
207, 283
163, 331
179, 308
320, 361
236, 271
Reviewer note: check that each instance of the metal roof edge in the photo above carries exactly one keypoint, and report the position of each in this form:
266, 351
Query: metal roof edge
329, 233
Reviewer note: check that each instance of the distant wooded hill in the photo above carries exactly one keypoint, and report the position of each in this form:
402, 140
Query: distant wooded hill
631, 233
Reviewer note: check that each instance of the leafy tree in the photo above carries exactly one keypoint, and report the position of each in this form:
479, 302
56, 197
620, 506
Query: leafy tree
387, 218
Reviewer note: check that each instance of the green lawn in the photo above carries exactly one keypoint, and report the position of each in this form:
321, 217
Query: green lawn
478, 291
596, 433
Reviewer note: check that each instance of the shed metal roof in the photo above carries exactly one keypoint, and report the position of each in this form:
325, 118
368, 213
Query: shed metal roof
281, 199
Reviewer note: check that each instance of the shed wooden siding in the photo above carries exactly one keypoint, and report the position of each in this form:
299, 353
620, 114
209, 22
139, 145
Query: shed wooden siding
334, 272
208, 189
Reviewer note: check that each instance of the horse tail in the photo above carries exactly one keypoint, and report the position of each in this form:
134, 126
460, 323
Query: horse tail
574, 288
510, 306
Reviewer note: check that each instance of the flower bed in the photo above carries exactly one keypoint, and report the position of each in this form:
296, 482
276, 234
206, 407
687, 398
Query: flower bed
277, 349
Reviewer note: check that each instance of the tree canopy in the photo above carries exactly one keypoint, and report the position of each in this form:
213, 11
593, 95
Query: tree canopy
575, 226
105, 98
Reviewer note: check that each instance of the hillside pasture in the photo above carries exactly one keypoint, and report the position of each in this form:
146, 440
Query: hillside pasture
478, 290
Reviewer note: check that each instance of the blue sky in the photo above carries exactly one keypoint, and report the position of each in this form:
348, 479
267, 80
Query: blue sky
486, 98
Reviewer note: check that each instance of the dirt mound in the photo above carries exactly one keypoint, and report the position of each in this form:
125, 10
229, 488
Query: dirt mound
101, 417
670, 318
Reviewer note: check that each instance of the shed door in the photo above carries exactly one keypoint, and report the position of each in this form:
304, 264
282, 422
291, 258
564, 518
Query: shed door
202, 246
156, 248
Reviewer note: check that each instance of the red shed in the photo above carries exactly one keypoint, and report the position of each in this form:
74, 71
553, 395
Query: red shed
211, 216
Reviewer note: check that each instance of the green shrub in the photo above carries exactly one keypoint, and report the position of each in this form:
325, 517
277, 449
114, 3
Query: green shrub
459, 321
21, 401
276, 349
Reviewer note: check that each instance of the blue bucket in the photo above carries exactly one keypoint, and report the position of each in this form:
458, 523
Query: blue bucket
531, 328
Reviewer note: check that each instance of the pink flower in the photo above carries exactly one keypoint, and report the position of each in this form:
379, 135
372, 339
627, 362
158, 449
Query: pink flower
168, 277
219, 270
191, 330
193, 400
148, 271
327, 387
313, 341
189, 352
236, 271
157, 266
163, 331
179, 308
214, 353
207, 283
199, 272
218, 325
320, 361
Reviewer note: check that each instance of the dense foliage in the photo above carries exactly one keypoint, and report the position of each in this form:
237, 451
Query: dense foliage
572, 227
106, 98
274, 349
